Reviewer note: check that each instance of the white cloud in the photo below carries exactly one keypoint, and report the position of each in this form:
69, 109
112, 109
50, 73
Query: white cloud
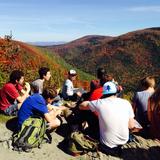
145, 9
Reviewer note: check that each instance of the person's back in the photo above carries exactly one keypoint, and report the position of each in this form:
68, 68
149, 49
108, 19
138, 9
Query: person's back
33, 105
114, 114
96, 94
41, 105
38, 84
140, 101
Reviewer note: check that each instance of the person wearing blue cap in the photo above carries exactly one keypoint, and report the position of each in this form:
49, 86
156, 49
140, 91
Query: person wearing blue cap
115, 116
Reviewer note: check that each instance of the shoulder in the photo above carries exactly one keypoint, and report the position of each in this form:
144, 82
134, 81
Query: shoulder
136, 96
96, 94
143, 94
9, 86
68, 81
95, 81
140, 93
94, 84
96, 102
37, 81
37, 99
37, 96
121, 100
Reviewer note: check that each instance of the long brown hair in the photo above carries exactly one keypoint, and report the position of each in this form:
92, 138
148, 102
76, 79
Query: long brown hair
154, 113
155, 99
148, 82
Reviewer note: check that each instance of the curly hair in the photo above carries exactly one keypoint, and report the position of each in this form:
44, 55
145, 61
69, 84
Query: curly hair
15, 75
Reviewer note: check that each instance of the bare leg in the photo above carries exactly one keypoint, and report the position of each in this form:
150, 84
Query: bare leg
54, 123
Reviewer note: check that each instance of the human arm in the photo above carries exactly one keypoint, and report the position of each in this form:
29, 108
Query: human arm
149, 111
134, 103
84, 105
52, 107
48, 117
25, 93
131, 123
53, 122
42, 109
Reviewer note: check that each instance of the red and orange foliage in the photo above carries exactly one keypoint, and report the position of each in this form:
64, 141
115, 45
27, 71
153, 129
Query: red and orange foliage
128, 57
19, 55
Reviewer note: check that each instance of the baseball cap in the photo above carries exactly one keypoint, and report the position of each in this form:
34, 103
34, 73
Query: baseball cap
72, 72
109, 88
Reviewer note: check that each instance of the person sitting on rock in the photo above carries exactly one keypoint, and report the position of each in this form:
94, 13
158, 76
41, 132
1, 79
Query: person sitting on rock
68, 90
44, 75
38, 104
115, 116
94, 84
140, 100
13, 93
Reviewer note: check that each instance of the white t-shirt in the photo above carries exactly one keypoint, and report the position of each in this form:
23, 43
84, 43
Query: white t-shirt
114, 114
67, 89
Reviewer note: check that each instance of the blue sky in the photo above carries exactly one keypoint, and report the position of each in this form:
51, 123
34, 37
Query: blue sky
66, 20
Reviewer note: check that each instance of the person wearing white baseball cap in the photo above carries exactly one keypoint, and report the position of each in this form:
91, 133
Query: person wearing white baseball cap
115, 116
68, 90
72, 72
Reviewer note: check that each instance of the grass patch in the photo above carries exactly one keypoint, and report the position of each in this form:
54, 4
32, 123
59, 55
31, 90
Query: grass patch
4, 118
59, 60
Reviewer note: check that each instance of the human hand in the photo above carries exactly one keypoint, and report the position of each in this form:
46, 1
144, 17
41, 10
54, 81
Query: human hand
27, 86
79, 94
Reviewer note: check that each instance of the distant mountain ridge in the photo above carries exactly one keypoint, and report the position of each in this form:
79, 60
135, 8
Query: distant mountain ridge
85, 41
128, 57
40, 43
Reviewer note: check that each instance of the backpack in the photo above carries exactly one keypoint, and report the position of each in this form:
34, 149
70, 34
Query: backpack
79, 143
31, 135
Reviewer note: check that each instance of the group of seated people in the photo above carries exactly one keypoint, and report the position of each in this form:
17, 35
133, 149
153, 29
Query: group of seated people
24, 100
102, 109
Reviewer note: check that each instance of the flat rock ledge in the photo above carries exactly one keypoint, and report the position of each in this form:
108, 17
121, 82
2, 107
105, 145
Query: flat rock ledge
139, 149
